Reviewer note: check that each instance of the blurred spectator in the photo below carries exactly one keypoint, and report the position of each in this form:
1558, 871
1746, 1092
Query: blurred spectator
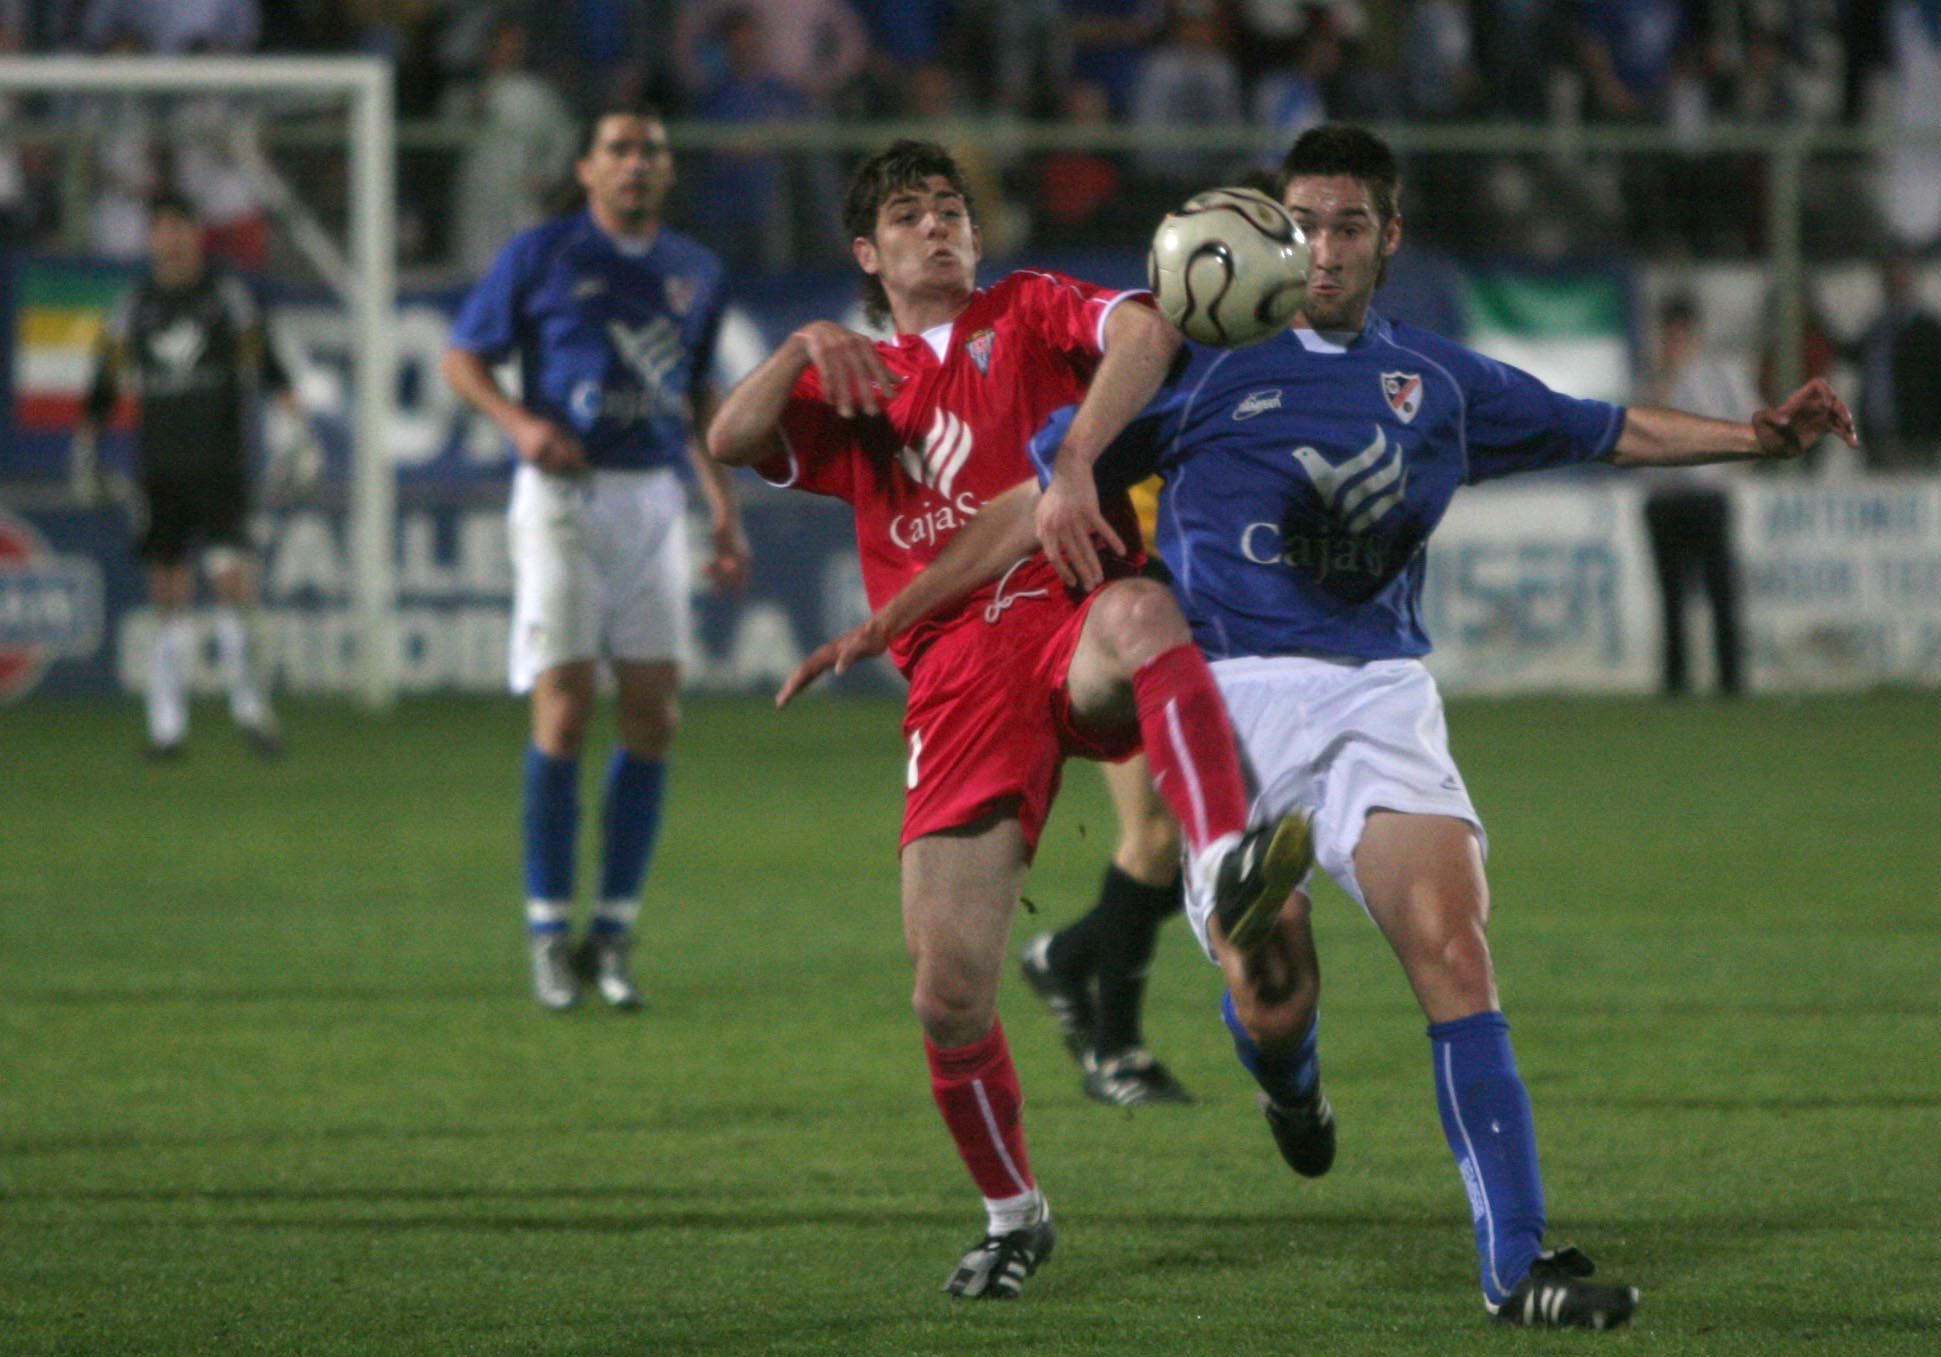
601, 53
127, 162
1109, 41
1081, 195
1189, 79
215, 145
15, 207
1899, 356
1518, 46
521, 148
1268, 31
1288, 102
172, 26
1439, 77
1626, 50
1687, 512
814, 46
1911, 185
738, 198
1022, 46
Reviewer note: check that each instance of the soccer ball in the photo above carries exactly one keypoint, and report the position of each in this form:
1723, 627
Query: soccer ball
1229, 267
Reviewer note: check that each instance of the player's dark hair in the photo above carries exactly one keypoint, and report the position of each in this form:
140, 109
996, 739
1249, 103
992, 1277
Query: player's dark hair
613, 108
905, 165
1343, 148
173, 204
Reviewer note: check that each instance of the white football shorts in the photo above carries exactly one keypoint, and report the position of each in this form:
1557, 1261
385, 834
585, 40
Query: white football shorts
600, 567
1338, 739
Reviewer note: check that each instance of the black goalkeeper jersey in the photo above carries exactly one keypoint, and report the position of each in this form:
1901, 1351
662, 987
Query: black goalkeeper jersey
197, 357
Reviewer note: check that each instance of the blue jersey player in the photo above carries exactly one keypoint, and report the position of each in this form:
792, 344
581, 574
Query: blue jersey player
612, 319
1303, 477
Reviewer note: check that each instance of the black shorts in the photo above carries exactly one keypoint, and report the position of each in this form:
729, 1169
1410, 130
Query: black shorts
178, 515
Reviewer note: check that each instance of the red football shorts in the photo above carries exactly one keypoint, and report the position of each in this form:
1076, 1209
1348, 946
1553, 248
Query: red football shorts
989, 721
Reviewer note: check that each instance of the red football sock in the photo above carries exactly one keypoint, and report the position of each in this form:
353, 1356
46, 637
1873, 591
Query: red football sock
976, 1088
1189, 743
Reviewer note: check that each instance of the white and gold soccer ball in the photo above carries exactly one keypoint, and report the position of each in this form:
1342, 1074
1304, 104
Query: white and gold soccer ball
1229, 267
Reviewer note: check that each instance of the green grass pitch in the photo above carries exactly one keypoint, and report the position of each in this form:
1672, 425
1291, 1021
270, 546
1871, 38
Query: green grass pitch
270, 1081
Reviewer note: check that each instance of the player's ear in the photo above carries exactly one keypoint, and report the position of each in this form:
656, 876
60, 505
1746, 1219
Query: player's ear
865, 251
1391, 235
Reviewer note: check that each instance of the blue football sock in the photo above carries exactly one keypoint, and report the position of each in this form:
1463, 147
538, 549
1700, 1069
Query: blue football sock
631, 822
1288, 1077
1486, 1119
552, 824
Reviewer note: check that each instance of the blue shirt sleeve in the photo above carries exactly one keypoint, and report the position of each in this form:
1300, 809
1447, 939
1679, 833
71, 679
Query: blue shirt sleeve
1133, 456
1515, 423
487, 322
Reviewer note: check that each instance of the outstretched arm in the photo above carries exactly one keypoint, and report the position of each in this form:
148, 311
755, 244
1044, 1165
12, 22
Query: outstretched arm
986, 547
1656, 436
1139, 347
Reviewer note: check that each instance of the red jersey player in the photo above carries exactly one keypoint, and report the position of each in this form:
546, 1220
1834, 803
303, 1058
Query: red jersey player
917, 434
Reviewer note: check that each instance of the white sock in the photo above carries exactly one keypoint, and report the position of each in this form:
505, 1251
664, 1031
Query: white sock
548, 915
1015, 1213
247, 703
617, 914
168, 687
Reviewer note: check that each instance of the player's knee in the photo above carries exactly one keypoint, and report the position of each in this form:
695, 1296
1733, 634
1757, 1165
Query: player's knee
1446, 943
953, 1011
1140, 619
647, 728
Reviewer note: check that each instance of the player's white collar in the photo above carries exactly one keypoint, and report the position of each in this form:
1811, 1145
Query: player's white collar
938, 338
1325, 341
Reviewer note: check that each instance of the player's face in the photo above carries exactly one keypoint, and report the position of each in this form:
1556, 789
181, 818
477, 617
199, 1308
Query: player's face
1349, 242
925, 243
174, 247
628, 172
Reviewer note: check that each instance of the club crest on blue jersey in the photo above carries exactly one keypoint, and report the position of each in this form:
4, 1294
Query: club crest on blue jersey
588, 287
1404, 393
978, 346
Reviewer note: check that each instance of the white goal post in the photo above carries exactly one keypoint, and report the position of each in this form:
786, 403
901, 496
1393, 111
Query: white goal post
369, 289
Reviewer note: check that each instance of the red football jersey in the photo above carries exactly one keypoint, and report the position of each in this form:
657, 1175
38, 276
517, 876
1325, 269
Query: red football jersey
955, 435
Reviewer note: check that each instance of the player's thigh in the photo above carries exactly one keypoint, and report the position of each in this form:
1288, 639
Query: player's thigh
555, 594
960, 890
640, 555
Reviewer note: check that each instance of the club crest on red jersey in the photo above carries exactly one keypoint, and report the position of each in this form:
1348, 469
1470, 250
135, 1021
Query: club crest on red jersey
1404, 393
978, 346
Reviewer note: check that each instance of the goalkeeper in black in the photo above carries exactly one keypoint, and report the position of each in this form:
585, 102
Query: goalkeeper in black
192, 343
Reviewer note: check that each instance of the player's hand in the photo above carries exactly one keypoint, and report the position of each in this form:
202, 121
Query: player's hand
548, 446
1794, 425
1068, 521
854, 377
727, 568
840, 655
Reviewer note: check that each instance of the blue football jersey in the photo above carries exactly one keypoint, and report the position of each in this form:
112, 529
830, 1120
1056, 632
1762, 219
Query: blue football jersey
1303, 478
611, 343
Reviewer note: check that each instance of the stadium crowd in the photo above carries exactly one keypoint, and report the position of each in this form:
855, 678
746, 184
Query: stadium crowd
517, 73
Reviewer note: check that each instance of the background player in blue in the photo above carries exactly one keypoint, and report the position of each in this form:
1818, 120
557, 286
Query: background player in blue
612, 318
1303, 477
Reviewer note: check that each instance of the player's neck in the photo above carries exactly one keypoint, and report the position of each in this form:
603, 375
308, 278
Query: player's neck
629, 228
917, 312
